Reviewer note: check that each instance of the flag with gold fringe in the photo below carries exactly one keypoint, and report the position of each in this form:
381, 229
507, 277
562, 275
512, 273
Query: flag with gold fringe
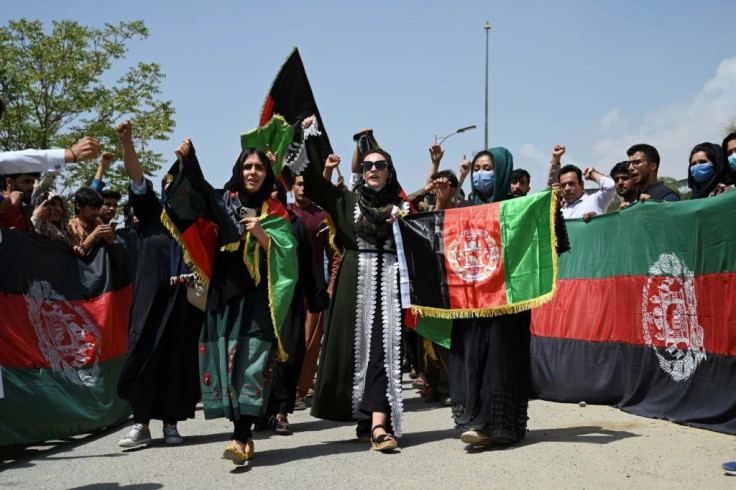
479, 261
196, 218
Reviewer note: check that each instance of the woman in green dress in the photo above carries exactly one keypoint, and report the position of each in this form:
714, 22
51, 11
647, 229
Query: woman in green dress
359, 376
252, 279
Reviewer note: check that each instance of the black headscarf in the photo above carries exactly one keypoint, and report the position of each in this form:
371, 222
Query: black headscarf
729, 175
235, 184
715, 156
376, 205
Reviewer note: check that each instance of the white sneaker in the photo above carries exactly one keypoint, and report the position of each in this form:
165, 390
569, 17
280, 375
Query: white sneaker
171, 435
136, 437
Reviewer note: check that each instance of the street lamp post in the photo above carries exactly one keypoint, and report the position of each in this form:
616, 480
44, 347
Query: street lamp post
487, 28
443, 138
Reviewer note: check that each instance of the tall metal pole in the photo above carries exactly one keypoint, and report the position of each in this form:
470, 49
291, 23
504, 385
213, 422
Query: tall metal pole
487, 28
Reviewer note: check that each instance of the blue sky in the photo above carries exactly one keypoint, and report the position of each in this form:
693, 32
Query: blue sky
595, 76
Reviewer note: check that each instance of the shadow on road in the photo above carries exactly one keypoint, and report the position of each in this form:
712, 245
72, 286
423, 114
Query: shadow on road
115, 486
591, 434
19, 456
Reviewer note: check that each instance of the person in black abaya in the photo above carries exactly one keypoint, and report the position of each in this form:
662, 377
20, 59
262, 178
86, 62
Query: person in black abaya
160, 377
489, 357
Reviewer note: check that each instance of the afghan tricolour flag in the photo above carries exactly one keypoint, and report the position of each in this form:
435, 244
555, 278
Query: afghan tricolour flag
289, 101
645, 314
291, 97
480, 261
196, 218
63, 338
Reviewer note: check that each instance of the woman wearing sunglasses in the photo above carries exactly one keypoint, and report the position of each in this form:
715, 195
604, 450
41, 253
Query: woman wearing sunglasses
359, 375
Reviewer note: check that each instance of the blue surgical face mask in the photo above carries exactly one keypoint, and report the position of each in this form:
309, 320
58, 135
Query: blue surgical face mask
702, 172
483, 181
732, 161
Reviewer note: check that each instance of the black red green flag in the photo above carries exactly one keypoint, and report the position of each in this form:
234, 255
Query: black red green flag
63, 338
196, 218
645, 314
291, 97
480, 261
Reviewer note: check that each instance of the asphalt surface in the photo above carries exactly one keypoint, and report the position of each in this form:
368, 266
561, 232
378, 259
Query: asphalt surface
567, 446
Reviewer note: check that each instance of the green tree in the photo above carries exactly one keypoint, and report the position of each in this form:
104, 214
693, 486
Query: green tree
59, 86
676, 186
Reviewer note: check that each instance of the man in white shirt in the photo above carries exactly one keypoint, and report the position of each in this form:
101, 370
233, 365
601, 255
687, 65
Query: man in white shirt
577, 203
37, 161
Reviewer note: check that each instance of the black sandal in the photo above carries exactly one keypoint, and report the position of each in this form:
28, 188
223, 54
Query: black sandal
384, 442
282, 425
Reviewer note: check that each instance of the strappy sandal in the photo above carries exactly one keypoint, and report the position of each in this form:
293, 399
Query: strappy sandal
384, 442
238, 457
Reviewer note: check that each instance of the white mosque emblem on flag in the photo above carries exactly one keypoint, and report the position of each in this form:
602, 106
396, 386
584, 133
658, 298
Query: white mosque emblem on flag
473, 255
68, 338
670, 317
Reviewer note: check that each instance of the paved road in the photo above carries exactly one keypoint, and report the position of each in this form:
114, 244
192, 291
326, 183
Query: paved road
567, 446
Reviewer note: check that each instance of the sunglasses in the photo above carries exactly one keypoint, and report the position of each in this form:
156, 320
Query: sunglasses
380, 165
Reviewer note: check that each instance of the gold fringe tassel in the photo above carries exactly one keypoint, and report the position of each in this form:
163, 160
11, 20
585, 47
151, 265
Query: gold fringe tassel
282, 355
230, 247
174, 232
332, 234
429, 353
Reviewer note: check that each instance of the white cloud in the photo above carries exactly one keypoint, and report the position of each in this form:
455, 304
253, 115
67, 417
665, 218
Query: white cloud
674, 130
611, 121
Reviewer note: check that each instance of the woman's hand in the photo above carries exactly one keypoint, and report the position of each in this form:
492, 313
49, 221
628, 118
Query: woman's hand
272, 157
332, 161
308, 121
253, 226
464, 167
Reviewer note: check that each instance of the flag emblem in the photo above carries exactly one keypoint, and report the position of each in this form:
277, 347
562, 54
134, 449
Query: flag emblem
670, 318
67, 337
473, 255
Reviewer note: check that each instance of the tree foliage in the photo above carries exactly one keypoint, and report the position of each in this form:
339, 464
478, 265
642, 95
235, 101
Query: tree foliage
59, 86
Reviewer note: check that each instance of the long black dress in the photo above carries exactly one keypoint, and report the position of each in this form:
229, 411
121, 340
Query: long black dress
489, 357
160, 377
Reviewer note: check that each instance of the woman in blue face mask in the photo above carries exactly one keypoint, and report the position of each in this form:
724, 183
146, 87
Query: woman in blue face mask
489, 357
490, 177
707, 171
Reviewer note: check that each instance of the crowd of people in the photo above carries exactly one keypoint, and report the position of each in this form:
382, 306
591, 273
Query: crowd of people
219, 338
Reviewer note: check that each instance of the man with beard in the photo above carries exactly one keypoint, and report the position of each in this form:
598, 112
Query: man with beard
15, 200
643, 166
627, 191
520, 180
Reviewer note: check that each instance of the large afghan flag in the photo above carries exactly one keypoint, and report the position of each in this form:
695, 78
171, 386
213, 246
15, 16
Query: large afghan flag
63, 338
480, 261
645, 314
